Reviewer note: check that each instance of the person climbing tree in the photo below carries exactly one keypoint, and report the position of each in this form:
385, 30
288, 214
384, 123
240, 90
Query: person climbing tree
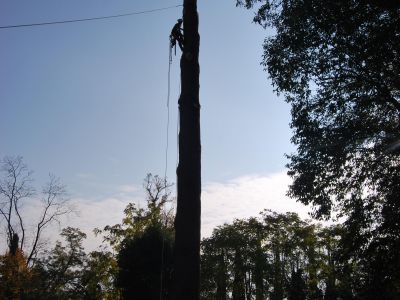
176, 35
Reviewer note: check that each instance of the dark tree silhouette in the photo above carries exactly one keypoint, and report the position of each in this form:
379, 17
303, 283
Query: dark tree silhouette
15, 191
278, 257
140, 262
337, 63
187, 221
297, 286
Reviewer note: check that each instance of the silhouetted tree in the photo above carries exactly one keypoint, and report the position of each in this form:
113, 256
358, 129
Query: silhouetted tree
15, 191
141, 260
15, 275
136, 220
61, 269
278, 257
143, 243
99, 276
297, 286
337, 63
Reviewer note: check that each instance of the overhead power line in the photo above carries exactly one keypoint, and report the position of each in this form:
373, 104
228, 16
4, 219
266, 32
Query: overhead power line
90, 19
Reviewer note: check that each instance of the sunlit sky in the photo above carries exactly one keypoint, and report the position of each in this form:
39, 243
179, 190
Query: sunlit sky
87, 102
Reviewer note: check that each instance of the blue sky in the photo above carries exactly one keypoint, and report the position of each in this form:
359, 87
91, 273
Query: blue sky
87, 101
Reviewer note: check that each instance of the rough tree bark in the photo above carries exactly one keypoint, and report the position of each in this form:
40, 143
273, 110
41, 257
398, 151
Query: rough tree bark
187, 221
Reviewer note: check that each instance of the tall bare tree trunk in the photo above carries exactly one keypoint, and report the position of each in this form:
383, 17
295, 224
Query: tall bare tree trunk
187, 221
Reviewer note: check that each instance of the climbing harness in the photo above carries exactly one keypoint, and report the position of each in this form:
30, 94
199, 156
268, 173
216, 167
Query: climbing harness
176, 36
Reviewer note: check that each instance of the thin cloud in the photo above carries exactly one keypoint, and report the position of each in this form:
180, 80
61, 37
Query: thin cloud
97, 214
129, 188
222, 202
245, 197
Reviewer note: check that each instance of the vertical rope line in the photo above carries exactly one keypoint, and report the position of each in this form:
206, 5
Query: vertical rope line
177, 145
177, 133
166, 166
168, 96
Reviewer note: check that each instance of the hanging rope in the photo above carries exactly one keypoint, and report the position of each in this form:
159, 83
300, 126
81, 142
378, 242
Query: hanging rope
166, 166
168, 96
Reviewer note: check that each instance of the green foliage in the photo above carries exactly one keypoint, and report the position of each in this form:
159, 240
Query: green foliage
144, 262
297, 286
143, 243
100, 275
278, 257
62, 267
67, 272
137, 220
142, 246
337, 63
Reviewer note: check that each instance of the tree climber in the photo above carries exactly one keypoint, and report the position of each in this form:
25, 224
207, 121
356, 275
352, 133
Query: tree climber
176, 35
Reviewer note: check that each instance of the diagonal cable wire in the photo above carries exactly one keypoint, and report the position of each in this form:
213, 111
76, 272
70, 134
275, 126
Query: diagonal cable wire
90, 19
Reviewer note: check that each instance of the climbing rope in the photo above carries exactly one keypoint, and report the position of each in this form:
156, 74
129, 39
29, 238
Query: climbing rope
168, 96
166, 165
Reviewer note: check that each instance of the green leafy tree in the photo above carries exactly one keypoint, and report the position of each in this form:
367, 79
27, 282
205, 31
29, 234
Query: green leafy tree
67, 272
143, 243
214, 270
99, 276
136, 220
61, 269
337, 274
337, 64
66, 263
145, 265
233, 262
297, 289
278, 256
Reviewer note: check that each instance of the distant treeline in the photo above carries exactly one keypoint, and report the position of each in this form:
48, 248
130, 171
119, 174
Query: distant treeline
275, 256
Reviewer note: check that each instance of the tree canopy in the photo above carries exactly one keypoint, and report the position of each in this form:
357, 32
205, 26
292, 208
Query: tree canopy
143, 243
277, 256
337, 63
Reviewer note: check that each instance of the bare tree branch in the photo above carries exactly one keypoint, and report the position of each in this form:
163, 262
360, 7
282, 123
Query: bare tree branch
15, 189
55, 205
